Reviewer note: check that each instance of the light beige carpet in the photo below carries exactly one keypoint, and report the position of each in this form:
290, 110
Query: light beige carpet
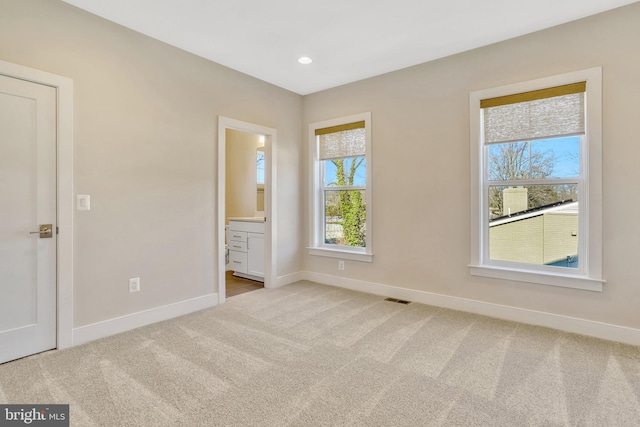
314, 355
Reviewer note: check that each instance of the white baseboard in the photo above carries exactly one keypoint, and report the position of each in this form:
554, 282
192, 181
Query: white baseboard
539, 318
117, 325
288, 279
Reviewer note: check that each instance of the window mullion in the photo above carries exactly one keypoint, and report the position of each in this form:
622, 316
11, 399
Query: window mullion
525, 182
343, 188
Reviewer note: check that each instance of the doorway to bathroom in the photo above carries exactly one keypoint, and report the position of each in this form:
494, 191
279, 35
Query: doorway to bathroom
246, 212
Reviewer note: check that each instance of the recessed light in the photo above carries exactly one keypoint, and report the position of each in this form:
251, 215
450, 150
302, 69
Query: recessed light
305, 60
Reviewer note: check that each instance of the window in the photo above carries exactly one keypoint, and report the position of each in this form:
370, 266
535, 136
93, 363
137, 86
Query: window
341, 188
260, 160
536, 181
260, 166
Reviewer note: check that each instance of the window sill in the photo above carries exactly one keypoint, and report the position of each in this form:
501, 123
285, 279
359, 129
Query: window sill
543, 278
341, 254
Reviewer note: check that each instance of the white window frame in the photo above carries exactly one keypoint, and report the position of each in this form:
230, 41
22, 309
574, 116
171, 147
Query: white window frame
317, 246
589, 274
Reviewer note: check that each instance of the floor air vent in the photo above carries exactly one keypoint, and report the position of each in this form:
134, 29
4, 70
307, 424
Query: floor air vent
399, 301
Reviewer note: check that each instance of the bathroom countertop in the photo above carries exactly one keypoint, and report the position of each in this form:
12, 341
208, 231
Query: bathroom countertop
249, 219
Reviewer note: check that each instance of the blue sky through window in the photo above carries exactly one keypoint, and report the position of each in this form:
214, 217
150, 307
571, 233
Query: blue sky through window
566, 154
330, 172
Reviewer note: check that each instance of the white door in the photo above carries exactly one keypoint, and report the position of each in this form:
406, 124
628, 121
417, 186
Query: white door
27, 201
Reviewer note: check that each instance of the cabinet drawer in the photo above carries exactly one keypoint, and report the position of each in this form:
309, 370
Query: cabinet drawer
238, 261
250, 226
237, 246
237, 236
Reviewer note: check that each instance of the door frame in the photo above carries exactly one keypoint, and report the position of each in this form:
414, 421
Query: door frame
64, 196
225, 123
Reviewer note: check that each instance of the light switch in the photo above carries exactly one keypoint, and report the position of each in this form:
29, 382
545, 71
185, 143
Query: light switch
83, 202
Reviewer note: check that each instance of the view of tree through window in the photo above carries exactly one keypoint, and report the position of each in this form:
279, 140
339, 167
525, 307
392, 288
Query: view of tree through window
345, 210
340, 159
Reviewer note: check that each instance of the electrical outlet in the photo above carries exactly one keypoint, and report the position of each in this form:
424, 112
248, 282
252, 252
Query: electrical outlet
134, 284
340, 265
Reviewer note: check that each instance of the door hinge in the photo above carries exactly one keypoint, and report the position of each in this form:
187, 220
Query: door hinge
57, 230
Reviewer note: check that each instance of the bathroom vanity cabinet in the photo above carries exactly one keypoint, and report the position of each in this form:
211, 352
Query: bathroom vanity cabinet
245, 238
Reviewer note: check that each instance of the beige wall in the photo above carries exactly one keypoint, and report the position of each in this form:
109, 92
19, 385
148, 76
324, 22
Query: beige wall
145, 149
241, 187
421, 182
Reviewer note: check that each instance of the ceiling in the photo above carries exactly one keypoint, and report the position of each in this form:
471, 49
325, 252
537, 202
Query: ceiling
348, 40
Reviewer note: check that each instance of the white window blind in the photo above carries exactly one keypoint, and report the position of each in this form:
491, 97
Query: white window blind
337, 142
544, 113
